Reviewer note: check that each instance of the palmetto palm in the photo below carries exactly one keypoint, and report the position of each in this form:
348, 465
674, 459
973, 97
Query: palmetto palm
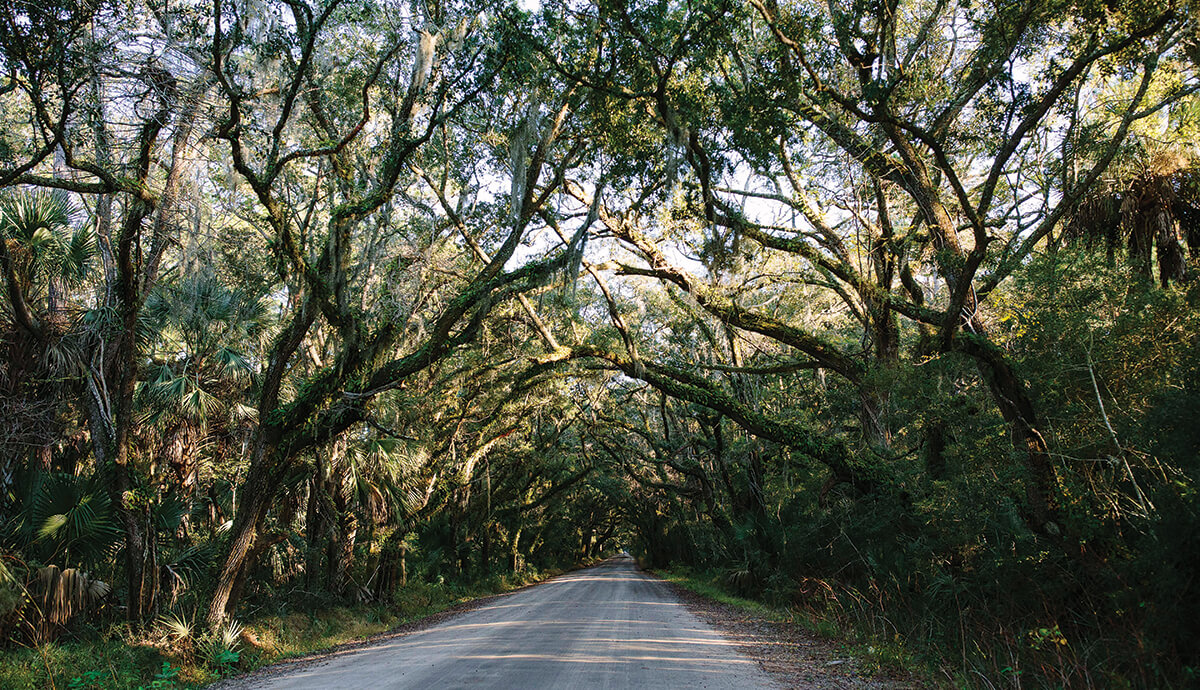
42, 254
363, 481
1152, 206
202, 362
197, 338
68, 519
204, 337
42, 258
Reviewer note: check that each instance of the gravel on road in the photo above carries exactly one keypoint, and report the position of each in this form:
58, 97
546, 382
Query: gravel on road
608, 626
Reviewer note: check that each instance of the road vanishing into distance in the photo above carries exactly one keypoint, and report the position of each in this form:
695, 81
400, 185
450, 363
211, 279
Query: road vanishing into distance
609, 626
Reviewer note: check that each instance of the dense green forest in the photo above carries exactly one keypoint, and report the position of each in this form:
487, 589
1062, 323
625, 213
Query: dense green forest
882, 310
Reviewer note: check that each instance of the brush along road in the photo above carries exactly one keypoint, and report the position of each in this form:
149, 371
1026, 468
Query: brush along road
609, 626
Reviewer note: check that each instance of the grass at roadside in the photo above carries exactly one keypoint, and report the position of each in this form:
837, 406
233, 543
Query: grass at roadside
706, 584
162, 658
873, 653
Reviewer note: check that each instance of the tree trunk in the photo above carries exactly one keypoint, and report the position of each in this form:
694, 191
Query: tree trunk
1172, 261
486, 554
1008, 390
314, 527
121, 481
259, 488
875, 397
347, 529
485, 551
255, 502
514, 553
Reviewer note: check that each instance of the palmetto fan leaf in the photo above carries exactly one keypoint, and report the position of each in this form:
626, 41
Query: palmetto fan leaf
205, 331
167, 389
200, 404
72, 518
60, 594
202, 308
168, 512
230, 634
79, 252
182, 394
232, 363
177, 626
37, 229
25, 215
192, 562
241, 412
387, 474
254, 315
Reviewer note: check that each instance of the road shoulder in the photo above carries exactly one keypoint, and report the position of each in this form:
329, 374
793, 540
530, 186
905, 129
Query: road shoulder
248, 679
790, 655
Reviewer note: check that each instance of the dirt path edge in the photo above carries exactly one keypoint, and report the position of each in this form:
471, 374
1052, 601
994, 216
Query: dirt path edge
790, 655
244, 680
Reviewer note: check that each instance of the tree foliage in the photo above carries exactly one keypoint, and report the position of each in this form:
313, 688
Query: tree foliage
312, 301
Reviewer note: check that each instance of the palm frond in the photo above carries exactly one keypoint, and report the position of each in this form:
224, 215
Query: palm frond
23, 215
40, 226
230, 634
61, 595
193, 562
243, 413
171, 390
177, 626
200, 405
233, 364
51, 526
72, 518
169, 512
78, 256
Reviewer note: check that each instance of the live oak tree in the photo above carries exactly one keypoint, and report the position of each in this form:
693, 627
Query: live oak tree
917, 112
324, 161
306, 300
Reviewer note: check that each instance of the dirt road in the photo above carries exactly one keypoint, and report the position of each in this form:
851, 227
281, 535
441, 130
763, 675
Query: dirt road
609, 626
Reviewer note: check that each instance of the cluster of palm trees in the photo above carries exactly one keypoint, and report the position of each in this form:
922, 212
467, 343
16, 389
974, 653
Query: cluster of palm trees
58, 506
1151, 209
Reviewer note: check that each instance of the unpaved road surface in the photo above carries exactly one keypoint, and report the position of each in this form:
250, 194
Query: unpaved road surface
609, 626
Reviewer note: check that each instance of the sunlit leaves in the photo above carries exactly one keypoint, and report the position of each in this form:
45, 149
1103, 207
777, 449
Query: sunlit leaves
42, 240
